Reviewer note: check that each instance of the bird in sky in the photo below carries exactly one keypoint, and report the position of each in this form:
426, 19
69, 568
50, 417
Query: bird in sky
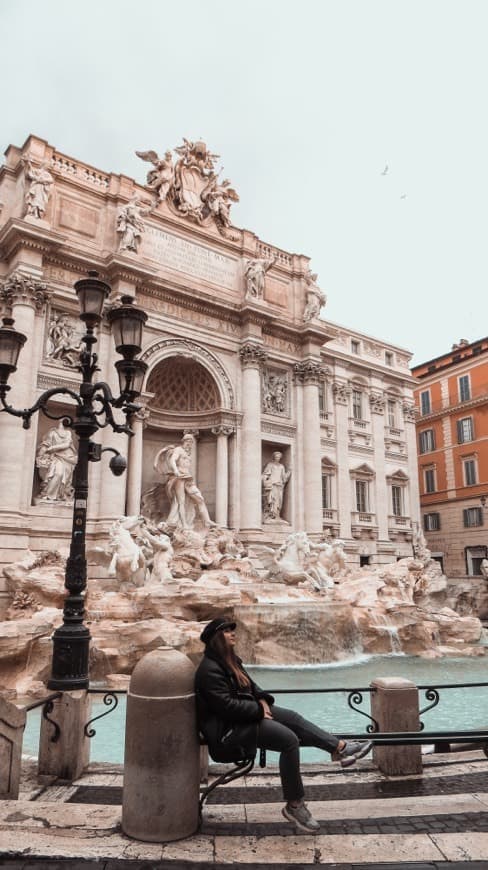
385, 170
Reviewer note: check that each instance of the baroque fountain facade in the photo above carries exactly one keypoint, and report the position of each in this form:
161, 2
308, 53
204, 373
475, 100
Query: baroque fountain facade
272, 472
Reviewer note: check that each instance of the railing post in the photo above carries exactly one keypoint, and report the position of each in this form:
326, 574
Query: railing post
12, 724
395, 707
65, 752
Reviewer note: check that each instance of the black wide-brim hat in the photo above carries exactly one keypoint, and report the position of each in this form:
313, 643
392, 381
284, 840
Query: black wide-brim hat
218, 624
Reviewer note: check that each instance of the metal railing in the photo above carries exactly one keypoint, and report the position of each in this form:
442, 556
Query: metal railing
355, 698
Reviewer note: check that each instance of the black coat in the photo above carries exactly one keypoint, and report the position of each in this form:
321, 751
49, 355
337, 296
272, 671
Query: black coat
228, 715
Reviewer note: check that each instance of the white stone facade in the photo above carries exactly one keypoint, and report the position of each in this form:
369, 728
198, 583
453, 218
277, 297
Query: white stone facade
246, 374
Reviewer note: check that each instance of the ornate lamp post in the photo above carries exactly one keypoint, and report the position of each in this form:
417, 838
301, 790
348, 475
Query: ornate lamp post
94, 404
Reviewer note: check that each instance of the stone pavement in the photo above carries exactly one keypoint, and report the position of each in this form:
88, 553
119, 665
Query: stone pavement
438, 821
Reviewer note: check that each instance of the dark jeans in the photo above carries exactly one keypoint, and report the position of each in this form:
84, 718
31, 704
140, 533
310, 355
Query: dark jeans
285, 733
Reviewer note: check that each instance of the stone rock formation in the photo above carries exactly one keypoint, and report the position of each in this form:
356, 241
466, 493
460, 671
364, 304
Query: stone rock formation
285, 615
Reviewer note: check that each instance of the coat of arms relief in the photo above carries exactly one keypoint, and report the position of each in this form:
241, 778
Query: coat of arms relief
192, 183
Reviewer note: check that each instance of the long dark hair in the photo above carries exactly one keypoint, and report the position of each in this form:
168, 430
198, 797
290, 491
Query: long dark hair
219, 646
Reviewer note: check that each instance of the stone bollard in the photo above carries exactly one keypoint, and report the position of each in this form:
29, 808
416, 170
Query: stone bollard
162, 751
395, 706
66, 756
12, 724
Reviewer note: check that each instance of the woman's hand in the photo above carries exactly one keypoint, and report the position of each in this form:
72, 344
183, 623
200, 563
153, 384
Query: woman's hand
266, 709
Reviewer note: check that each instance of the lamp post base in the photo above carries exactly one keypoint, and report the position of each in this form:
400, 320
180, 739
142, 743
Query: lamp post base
71, 645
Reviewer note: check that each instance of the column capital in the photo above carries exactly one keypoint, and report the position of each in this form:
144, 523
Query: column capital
223, 430
341, 392
252, 355
377, 403
194, 432
142, 415
24, 289
308, 372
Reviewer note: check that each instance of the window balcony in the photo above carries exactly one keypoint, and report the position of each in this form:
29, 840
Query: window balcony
399, 528
364, 524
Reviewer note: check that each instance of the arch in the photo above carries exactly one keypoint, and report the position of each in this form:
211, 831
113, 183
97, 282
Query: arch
190, 350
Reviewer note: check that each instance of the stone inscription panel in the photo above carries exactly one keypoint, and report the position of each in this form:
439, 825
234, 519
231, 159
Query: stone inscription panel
184, 256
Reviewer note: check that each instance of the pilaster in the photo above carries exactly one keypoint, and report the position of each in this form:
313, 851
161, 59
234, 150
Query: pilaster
252, 358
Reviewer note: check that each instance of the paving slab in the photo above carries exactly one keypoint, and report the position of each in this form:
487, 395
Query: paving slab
380, 848
465, 847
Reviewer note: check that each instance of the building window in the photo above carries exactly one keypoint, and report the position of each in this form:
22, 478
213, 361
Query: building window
432, 522
357, 404
464, 388
326, 491
355, 346
426, 441
425, 402
391, 411
362, 496
465, 430
388, 358
469, 468
472, 517
429, 480
397, 500
322, 398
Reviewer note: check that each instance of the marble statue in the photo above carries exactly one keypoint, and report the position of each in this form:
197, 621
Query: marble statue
127, 563
37, 194
159, 179
174, 463
218, 199
255, 274
159, 552
275, 389
290, 564
192, 184
130, 225
420, 549
315, 298
484, 568
55, 462
274, 479
63, 342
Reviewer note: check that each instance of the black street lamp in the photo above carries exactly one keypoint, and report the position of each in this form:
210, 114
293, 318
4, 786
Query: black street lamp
94, 404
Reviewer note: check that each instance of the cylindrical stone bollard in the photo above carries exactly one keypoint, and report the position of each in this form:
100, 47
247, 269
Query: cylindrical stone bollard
395, 706
162, 751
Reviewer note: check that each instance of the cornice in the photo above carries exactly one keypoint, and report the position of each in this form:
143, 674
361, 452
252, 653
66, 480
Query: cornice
19, 233
451, 409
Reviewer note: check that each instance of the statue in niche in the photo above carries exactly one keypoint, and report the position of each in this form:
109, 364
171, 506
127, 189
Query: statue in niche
275, 388
255, 274
315, 298
274, 479
130, 225
63, 342
174, 464
37, 194
55, 461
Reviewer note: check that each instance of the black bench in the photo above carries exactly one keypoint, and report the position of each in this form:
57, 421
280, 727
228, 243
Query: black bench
240, 767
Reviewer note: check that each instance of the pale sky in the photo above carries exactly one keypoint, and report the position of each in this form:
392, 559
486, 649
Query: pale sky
307, 103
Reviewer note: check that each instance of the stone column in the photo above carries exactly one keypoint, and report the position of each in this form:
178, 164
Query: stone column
134, 468
341, 392
383, 508
23, 295
112, 489
411, 440
308, 374
222, 475
252, 358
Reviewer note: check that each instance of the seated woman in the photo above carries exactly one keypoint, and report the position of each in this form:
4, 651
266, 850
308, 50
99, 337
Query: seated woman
236, 717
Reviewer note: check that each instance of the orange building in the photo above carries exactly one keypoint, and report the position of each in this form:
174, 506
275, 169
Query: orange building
452, 442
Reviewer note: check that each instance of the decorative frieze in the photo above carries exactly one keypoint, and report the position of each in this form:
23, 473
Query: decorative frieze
274, 393
64, 342
308, 372
252, 355
408, 412
341, 392
377, 403
22, 289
